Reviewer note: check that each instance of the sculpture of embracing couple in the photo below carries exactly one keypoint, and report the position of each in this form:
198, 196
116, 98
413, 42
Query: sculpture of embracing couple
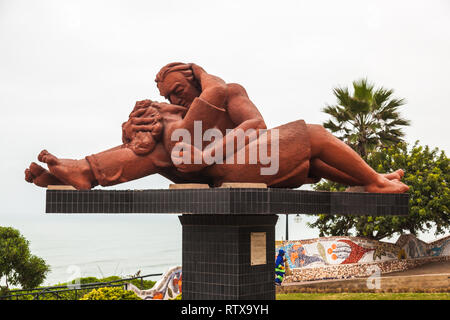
231, 144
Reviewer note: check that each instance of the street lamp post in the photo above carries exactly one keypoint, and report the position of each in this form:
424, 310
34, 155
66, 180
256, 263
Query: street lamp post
297, 219
287, 227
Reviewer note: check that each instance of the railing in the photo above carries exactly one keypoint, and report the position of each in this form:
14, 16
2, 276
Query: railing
77, 290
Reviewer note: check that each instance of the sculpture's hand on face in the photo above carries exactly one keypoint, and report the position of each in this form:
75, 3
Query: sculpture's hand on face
141, 119
187, 158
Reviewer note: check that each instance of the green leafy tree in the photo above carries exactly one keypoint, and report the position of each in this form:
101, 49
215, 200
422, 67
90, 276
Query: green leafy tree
427, 174
367, 119
17, 264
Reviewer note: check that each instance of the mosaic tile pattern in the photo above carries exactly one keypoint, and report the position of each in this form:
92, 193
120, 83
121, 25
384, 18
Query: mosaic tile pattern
347, 257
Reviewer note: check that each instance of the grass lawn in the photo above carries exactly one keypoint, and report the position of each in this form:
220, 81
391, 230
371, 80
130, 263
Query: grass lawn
364, 296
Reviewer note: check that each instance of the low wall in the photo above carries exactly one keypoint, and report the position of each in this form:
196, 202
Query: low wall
422, 283
356, 270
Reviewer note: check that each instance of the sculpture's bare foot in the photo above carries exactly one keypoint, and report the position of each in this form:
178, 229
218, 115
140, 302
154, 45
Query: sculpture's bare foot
40, 176
76, 173
396, 175
384, 185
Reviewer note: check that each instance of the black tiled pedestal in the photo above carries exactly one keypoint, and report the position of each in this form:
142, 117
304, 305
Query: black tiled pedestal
225, 201
217, 261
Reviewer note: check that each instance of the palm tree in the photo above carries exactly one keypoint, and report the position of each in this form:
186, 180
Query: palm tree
368, 119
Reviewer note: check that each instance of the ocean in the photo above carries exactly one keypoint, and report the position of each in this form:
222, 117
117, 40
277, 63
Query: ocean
102, 245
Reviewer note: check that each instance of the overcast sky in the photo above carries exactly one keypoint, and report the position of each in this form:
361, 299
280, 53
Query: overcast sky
71, 71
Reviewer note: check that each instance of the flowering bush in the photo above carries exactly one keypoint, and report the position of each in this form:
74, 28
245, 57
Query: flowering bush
111, 293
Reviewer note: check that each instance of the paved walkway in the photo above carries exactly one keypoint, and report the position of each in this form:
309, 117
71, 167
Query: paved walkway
442, 267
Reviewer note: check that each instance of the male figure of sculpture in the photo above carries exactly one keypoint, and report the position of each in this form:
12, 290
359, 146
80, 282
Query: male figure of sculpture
307, 152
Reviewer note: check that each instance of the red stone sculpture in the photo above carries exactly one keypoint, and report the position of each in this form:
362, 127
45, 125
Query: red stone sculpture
306, 152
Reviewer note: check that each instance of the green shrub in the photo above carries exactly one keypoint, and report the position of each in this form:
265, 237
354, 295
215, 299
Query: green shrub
143, 285
4, 291
74, 295
85, 280
111, 293
109, 279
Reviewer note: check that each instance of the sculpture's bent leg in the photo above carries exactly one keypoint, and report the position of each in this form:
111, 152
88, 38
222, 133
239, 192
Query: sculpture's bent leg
123, 165
338, 155
106, 168
318, 168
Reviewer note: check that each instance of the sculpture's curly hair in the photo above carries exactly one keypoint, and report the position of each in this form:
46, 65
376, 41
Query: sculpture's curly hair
144, 141
184, 68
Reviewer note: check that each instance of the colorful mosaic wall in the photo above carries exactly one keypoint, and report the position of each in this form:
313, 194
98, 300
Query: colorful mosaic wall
329, 258
346, 257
